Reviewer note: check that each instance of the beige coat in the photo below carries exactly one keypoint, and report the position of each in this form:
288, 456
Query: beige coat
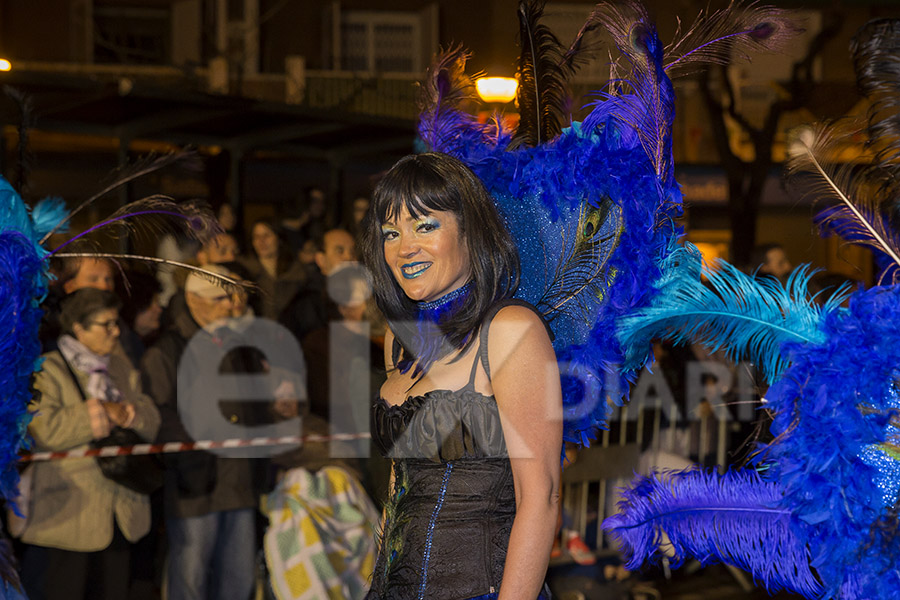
72, 504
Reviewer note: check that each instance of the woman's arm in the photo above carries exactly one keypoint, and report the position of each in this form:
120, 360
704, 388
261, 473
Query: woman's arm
388, 350
58, 425
525, 381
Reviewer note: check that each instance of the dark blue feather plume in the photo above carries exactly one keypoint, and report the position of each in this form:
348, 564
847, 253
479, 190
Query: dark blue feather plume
444, 124
24, 283
832, 413
733, 518
644, 99
750, 318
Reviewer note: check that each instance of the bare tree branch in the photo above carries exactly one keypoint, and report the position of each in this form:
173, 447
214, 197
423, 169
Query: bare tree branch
746, 179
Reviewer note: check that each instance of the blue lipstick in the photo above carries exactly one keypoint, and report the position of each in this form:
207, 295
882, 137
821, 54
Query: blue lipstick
415, 274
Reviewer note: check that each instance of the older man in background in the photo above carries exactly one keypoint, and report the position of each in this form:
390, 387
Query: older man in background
210, 500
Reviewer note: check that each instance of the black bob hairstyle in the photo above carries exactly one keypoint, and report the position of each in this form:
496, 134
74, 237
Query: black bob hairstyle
433, 182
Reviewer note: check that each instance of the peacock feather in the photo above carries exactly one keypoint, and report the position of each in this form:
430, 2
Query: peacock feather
584, 271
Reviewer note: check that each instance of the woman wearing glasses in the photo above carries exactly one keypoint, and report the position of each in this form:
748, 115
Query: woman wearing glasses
80, 524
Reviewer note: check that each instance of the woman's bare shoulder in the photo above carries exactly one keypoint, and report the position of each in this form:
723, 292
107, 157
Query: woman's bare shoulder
518, 313
518, 329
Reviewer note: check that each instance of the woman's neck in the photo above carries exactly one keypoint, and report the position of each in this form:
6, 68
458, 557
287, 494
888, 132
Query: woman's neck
428, 343
270, 264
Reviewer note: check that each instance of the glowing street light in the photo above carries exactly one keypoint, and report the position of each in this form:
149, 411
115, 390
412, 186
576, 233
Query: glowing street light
498, 90
5, 65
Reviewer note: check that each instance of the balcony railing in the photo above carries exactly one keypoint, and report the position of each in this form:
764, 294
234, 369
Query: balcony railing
390, 95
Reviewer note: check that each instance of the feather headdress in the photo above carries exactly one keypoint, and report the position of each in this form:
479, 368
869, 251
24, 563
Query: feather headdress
591, 205
834, 399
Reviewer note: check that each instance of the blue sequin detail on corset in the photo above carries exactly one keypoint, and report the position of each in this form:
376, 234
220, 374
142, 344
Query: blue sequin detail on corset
430, 534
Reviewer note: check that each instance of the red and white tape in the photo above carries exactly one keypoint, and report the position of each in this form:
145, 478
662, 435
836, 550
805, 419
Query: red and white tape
173, 447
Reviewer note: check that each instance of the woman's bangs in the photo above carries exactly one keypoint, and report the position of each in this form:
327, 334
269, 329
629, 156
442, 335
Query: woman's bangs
416, 189
415, 204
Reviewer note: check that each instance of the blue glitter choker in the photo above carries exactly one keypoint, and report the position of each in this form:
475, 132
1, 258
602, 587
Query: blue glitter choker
436, 305
428, 342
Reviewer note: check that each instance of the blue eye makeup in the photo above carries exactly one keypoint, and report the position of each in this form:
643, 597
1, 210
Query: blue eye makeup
427, 224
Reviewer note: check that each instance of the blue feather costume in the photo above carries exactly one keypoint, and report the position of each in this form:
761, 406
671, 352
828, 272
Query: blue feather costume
817, 511
24, 274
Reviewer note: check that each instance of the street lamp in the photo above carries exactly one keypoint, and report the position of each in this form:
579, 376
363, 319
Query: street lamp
496, 90
5, 65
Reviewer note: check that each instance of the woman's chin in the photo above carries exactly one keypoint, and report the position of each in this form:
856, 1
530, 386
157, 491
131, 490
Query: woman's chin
415, 293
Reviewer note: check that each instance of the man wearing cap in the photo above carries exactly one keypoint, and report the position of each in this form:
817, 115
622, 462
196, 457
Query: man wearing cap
210, 500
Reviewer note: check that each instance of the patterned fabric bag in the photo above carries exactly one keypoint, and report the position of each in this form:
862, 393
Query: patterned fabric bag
320, 543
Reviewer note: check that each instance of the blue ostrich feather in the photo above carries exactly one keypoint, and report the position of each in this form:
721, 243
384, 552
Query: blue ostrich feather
23, 284
23, 277
47, 214
750, 318
829, 409
13, 212
734, 518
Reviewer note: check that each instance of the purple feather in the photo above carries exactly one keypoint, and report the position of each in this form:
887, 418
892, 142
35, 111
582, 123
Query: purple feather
443, 124
735, 518
644, 101
111, 220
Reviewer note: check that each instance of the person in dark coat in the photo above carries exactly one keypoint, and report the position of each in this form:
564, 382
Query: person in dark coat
210, 499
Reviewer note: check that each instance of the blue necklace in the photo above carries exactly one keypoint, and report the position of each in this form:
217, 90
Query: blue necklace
428, 342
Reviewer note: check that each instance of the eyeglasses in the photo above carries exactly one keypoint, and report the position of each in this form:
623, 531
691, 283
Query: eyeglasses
109, 326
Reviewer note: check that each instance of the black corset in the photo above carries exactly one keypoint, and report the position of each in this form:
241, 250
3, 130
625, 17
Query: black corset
449, 521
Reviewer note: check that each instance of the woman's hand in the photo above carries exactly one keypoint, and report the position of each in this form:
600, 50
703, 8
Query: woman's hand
119, 413
525, 381
98, 418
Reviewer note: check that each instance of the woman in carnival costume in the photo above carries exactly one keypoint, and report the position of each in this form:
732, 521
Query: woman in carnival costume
471, 412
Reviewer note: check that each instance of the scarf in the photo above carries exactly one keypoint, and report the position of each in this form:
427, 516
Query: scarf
99, 385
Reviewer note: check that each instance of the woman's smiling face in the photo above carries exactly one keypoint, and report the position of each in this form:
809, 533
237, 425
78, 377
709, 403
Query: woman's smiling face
426, 254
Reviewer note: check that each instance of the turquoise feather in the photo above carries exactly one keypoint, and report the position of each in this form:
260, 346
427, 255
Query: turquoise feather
749, 318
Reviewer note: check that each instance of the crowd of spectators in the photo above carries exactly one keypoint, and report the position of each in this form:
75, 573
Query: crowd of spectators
272, 338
